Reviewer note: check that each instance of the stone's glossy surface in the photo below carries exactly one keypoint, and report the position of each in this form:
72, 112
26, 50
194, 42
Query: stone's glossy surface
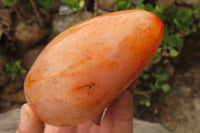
86, 67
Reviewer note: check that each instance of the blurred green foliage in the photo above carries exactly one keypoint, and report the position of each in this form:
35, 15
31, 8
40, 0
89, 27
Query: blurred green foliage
146, 101
75, 5
123, 4
10, 3
161, 76
45, 5
197, 11
14, 68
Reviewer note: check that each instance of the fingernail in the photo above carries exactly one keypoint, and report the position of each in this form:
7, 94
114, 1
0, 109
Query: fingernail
25, 118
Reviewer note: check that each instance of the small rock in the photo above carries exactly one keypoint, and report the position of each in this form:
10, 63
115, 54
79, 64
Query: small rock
108, 5
165, 3
28, 35
15, 97
31, 55
64, 10
4, 79
188, 2
14, 86
170, 70
61, 23
140, 126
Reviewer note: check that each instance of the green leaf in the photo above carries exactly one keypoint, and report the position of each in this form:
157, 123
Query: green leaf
194, 29
123, 4
171, 11
175, 41
173, 52
81, 4
140, 5
197, 10
153, 87
162, 77
165, 88
23, 71
159, 69
145, 76
18, 63
75, 5
183, 20
66, 2
10, 3
165, 37
159, 84
159, 9
149, 7
148, 103
45, 5
11, 66
14, 67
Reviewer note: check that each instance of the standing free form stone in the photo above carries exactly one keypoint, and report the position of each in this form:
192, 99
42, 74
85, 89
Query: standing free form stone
87, 66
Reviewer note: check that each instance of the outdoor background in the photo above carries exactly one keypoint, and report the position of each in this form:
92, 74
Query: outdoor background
168, 90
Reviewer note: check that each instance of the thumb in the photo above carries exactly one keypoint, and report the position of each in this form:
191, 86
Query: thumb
29, 123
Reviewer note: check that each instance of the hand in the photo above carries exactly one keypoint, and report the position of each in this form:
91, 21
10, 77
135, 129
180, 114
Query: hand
117, 119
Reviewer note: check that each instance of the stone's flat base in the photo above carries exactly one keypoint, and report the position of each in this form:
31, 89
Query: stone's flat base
9, 123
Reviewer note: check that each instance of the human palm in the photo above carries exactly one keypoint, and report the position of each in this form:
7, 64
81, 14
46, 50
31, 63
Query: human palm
117, 119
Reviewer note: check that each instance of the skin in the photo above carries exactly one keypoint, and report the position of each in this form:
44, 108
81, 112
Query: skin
85, 68
117, 119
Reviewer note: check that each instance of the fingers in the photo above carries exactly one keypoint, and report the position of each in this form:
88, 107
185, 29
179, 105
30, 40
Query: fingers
119, 116
53, 129
29, 123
